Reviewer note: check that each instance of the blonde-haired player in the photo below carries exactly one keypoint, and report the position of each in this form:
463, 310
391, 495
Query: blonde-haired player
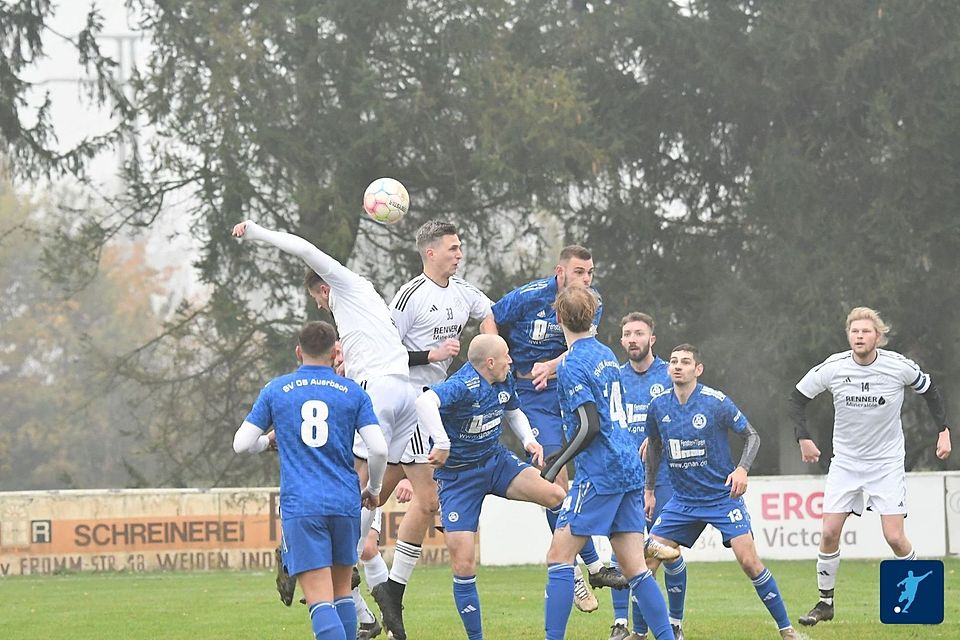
867, 385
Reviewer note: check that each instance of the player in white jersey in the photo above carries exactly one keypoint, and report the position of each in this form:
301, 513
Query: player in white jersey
372, 352
430, 313
867, 384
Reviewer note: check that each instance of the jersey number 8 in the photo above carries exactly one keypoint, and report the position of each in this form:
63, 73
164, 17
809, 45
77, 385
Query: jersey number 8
314, 429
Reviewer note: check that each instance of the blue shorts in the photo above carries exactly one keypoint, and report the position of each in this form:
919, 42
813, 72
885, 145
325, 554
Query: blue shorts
542, 409
590, 514
662, 493
462, 490
315, 542
684, 523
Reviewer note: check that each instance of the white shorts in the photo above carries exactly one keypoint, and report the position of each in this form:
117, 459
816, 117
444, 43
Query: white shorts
417, 449
853, 485
393, 399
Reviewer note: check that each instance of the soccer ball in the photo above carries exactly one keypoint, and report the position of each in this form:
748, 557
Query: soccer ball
386, 200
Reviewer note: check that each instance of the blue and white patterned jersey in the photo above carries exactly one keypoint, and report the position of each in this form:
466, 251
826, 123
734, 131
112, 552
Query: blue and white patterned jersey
638, 390
472, 411
529, 323
695, 446
590, 373
315, 414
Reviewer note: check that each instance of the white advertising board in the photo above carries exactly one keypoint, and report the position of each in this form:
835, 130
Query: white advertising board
785, 511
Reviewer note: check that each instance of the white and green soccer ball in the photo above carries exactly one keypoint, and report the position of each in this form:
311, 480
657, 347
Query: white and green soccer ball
386, 200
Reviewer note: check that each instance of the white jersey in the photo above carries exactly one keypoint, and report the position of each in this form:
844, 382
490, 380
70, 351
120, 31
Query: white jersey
867, 400
370, 342
426, 314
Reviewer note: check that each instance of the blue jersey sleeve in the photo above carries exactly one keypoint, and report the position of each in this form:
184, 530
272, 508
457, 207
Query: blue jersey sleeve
733, 418
575, 385
652, 428
451, 392
514, 402
509, 308
261, 414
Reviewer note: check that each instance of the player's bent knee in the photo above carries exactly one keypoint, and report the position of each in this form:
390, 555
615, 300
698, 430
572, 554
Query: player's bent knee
428, 505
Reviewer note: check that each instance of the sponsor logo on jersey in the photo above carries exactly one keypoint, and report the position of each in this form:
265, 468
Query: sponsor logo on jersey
666, 419
862, 402
542, 314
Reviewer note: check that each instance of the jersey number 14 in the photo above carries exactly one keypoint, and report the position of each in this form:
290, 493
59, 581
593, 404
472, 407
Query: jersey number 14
617, 414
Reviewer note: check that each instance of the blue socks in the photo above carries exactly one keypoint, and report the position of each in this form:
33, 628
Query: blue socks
558, 600
347, 612
675, 579
620, 597
467, 599
326, 623
769, 593
645, 595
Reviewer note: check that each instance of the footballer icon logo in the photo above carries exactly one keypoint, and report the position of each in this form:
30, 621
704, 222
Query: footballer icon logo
699, 421
453, 516
656, 390
503, 397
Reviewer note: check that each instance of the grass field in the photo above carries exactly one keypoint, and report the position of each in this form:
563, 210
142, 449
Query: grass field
721, 604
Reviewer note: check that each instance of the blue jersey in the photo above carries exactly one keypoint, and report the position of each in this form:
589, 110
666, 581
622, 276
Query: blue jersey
590, 373
529, 323
695, 446
472, 411
638, 390
315, 414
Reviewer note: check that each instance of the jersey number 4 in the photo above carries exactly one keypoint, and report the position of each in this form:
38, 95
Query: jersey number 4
313, 428
617, 414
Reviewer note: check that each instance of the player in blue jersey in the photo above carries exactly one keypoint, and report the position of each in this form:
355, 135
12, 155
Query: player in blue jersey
471, 406
526, 319
687, 427
314, 414
607, 496
643, 377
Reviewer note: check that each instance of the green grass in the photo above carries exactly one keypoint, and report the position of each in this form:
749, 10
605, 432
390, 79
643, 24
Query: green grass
721, 603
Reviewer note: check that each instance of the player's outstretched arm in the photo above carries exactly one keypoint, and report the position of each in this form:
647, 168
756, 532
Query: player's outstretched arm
326, 267
520, 426
372, 436
250, 438
588, 427
489, 325
428, 415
